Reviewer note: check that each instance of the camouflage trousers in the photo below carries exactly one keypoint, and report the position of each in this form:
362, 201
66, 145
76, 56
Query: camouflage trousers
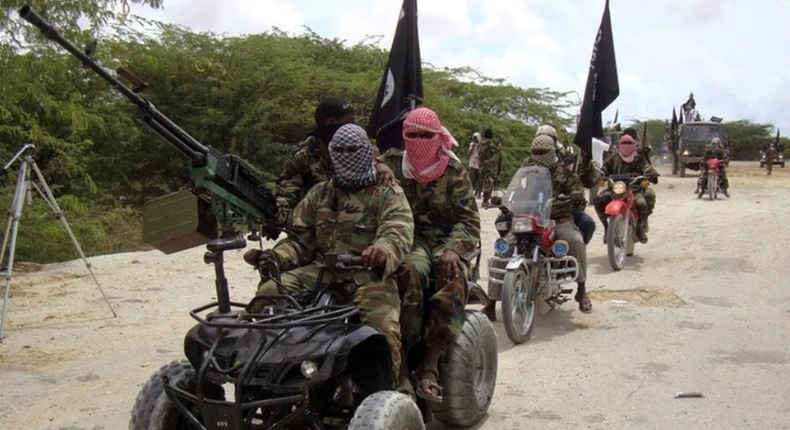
440, 318
488, 180
377, 300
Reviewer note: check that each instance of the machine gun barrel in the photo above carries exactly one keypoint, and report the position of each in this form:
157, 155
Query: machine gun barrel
147, 112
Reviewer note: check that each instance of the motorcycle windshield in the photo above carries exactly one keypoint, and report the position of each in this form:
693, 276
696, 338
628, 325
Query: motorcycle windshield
530, 194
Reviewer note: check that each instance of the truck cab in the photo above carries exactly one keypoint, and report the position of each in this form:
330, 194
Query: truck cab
691, 144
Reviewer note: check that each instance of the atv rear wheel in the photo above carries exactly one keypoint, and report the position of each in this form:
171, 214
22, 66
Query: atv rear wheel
388, 410
153, 410
468, 368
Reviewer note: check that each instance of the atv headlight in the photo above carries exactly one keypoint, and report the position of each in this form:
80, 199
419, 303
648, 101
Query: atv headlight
309, 369
619, 188
560, 248
522, 226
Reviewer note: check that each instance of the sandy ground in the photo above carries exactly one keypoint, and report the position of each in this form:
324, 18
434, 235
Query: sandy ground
708, 310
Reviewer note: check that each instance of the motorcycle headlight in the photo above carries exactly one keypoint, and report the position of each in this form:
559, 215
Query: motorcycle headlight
502, 226
522, 226
619, 188
560, 248
501, 245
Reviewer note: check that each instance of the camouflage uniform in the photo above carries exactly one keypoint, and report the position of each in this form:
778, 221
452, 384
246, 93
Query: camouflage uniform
329, 220
645, 200
488, 153
714, 153
445, 218
306, 168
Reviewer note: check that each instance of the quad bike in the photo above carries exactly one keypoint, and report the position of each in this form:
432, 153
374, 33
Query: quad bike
622, 217
529, 264
305, 362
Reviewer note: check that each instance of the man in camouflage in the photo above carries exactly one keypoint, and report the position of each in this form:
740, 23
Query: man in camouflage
311, 164
588, 175
629, 161
488, 153
349, 214
564, 182
446, 233
714, 149
770, 153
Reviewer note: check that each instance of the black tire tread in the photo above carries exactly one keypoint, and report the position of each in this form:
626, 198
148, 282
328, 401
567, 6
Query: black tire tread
149, 407
459, 407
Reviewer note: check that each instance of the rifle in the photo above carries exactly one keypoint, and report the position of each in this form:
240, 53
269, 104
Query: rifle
226, 191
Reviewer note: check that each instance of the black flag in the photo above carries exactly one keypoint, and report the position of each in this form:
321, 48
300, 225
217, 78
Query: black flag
603, 87
401, 84
674, 125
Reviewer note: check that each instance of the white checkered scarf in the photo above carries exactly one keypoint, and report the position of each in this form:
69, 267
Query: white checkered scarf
354, 171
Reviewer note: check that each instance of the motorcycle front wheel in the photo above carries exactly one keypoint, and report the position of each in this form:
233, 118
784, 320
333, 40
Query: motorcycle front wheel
616, 241
518, 305
713, 186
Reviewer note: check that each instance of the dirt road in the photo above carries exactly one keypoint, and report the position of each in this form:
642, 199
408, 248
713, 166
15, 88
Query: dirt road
708, 310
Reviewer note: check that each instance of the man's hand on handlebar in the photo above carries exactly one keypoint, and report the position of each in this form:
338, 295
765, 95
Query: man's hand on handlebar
373, 256
255, 257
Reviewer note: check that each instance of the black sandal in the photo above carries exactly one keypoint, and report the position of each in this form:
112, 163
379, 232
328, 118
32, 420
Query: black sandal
585, 304
431, 385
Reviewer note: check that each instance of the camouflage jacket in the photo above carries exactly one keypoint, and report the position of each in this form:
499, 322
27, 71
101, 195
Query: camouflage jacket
588, 175
563, 181
488, 155
616, 166
330, 220
710, 153
770, 154
306, 168
445, 211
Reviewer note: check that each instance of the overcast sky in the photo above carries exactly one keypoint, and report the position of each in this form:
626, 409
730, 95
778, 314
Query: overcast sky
719, 49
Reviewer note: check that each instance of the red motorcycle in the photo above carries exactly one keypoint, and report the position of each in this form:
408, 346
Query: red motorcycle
714, 183
622, 217
530, 265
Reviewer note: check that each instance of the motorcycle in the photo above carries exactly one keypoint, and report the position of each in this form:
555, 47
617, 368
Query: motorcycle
529, 266
714, 184
622, 217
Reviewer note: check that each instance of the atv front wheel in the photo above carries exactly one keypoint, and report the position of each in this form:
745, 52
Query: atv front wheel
153, 409
388, 410
468, 369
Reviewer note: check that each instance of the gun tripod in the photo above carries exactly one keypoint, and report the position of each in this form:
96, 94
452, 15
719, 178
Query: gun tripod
23, 193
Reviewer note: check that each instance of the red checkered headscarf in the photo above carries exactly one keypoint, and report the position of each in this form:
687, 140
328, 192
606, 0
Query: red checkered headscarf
426, 159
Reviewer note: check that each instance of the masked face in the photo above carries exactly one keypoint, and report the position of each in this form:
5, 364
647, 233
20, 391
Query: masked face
427, 145
352, 159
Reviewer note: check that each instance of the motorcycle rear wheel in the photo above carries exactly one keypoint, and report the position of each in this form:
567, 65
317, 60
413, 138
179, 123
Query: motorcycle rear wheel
713, 185
617, 233
518, 297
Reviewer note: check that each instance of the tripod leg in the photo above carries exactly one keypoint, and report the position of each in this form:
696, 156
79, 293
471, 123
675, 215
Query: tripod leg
16, 212
59, 213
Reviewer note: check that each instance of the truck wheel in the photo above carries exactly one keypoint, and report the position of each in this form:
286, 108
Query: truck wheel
468, 369
388, 410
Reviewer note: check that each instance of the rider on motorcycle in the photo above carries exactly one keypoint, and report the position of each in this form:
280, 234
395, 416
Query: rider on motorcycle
714, 150
587, 174
349, 214
544, 153
628, 161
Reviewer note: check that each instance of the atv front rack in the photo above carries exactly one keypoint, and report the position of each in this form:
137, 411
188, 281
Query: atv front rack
288, 317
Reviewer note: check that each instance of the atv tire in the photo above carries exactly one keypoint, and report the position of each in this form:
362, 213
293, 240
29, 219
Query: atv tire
387, 410
153, 409
469, 369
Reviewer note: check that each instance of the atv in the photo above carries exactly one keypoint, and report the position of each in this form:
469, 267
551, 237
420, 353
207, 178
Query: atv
306, 362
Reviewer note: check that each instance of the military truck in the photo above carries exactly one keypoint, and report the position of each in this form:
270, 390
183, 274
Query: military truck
691, 144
